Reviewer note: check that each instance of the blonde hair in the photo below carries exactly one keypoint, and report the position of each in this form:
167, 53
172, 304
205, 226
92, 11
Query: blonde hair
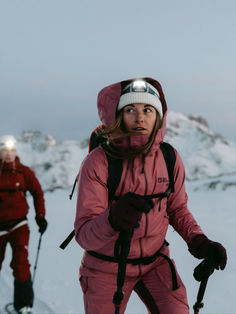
117, 130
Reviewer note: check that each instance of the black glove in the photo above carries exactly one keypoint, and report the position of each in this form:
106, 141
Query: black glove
201, 247
42, 223
127, 211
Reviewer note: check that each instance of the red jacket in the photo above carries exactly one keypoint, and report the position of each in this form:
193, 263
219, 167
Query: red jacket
142, 175
15, 180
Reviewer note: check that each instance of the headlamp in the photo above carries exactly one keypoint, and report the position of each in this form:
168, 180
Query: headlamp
7, 142
140, 92
10, 144
139, 86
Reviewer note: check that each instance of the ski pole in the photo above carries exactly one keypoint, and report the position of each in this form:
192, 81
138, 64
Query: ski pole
202, 273
37, 257
199, 304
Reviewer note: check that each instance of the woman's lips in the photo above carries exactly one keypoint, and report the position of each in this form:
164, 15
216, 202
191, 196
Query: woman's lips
139, 129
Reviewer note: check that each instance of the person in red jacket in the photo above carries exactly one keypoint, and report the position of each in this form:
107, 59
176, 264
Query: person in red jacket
134, 115
15, 180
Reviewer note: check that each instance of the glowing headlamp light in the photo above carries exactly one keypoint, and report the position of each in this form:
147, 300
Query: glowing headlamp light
7, 142
140, 86
10, 144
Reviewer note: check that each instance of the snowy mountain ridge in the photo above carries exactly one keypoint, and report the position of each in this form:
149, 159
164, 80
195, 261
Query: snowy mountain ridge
207, 156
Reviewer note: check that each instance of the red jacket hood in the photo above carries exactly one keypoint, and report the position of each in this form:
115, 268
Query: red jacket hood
109, 96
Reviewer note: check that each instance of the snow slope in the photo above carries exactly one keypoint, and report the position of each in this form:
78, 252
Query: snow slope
56, 283
211, 186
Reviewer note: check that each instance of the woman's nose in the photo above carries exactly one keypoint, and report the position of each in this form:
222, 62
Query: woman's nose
139, 116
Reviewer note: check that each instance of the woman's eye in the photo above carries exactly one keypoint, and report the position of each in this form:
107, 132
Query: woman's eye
147, 110
129, 110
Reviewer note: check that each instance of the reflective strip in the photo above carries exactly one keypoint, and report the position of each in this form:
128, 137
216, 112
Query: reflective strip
22, 223
3, 232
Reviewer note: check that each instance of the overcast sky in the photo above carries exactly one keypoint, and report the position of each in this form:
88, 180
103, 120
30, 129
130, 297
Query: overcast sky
56, 55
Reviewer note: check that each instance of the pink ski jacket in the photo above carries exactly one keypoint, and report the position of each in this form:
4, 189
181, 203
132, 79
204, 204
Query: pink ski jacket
143, 175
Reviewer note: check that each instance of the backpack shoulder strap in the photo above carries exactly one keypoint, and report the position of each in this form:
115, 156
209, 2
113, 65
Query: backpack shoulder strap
95, 140
115, 167
170, 158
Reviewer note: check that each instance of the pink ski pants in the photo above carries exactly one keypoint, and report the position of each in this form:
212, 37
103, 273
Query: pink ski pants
154, 289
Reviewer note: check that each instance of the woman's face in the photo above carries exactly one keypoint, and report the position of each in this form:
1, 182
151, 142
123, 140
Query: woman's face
140, 118
8, 155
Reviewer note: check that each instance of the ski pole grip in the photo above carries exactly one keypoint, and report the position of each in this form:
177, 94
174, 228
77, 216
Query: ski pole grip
197, 306
203, 270
67, 240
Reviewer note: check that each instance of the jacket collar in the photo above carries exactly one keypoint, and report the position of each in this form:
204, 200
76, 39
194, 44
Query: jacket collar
10, 166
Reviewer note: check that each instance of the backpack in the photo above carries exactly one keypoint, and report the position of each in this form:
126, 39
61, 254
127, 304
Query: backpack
115, 171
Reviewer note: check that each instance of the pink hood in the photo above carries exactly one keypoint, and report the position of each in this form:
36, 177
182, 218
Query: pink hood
108, 99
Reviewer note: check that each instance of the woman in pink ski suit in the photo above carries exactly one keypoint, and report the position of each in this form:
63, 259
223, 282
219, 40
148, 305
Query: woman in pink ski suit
134, 114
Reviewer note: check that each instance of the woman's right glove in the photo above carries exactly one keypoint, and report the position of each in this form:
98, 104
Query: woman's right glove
126, 213
201, 247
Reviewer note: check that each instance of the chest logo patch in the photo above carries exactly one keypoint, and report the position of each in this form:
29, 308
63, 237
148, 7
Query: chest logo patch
162, 180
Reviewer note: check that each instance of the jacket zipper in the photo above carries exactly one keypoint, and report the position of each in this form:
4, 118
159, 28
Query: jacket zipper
145, 192
146, 226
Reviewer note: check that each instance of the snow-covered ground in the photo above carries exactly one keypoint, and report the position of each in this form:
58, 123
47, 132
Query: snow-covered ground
211, 185
56, 283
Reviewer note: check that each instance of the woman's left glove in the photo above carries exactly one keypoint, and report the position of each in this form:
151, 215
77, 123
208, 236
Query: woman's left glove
201, 247
42, 223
